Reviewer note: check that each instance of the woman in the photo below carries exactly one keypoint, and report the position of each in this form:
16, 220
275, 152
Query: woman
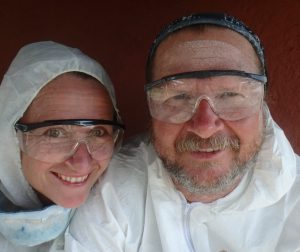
59, 126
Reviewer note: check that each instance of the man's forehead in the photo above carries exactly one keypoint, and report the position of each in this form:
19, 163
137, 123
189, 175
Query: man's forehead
208, 54
216, 50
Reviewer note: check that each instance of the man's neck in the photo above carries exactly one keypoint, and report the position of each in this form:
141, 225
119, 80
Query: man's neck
206, 198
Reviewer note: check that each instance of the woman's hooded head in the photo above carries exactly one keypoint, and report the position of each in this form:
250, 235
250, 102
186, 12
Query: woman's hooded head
34, 66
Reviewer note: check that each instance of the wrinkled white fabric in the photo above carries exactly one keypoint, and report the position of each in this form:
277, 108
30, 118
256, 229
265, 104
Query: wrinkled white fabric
34, 66
31, 229
136, 207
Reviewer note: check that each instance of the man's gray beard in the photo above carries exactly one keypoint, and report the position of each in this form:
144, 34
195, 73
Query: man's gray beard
221, 183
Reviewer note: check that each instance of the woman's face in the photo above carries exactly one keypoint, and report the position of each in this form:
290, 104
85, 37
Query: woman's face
68, 182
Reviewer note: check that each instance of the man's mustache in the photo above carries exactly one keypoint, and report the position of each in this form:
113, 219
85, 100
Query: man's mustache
192, 142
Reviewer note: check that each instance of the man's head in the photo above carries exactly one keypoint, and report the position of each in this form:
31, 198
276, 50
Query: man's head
205, 94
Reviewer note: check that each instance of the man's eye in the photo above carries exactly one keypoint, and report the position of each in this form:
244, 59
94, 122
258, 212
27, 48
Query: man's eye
97, 132
228, 95
181, 97
54, 133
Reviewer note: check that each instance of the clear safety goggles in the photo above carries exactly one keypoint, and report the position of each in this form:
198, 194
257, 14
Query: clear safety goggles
56, 140
232, 94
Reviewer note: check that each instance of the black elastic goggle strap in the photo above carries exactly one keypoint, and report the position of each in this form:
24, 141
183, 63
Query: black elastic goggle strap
207, 74
218, 19
78, 122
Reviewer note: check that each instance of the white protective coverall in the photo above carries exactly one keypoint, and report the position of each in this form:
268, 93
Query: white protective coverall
136, 207
24, 223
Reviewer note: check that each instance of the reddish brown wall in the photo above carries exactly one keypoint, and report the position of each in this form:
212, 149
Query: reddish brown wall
118, 34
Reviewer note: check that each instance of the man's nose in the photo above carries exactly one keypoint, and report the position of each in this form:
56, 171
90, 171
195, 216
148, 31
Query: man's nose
205, 122
81, 159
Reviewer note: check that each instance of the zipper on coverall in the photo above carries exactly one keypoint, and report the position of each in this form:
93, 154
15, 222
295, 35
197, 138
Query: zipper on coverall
186, 226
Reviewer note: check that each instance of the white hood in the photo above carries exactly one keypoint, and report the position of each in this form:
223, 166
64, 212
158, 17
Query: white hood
34, 66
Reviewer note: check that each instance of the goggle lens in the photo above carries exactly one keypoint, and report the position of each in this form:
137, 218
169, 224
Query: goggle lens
230, 97
57, 143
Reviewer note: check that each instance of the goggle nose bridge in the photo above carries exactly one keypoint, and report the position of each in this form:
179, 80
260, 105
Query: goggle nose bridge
77, 142
199, 99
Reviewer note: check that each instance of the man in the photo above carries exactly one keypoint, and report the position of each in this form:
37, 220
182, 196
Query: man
218, 174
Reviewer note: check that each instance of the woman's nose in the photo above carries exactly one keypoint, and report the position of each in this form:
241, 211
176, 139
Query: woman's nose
81, 158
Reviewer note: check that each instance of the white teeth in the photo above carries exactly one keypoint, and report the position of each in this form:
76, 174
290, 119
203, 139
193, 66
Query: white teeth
72, 179
207, 150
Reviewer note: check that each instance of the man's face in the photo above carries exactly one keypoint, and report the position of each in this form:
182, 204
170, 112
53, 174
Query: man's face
206, 172
67, 183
